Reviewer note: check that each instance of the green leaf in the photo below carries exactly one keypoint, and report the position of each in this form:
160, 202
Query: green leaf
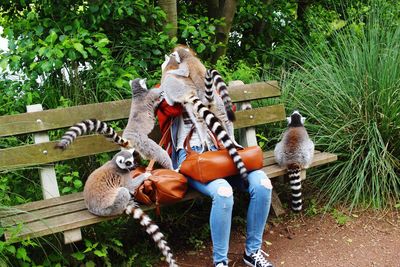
78, 255
79, 48
90, 264
102, 42
201, 48
66, 189
21, 254
100, 253
156, 52
52, 37
4, 63
77, 184
58, 53
67, 178
117, 242
11, 249
397, 206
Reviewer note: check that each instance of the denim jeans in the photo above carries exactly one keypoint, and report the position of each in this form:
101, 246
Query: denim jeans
220, 191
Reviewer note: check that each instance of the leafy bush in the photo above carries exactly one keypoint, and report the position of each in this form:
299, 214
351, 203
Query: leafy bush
349, 90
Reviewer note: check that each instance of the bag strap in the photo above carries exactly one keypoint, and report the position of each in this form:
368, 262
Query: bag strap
188, 148
150, 167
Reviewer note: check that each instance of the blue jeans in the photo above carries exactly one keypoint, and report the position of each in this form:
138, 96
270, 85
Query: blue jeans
220, 191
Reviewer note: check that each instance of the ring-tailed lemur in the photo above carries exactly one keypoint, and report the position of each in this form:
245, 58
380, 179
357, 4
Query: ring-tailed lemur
295, 151
141, 122
109, 189
215, 103
88, 126
180, 89
197, 73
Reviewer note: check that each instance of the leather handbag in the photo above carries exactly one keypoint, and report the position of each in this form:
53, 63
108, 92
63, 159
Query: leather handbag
210, 165
162, 187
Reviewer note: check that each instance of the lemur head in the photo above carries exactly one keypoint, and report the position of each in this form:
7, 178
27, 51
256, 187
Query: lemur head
296, 120
125, 160
184, 50
138, 86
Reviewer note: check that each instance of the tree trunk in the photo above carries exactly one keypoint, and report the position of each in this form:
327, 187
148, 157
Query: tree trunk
169, 7
227, 11
213, 8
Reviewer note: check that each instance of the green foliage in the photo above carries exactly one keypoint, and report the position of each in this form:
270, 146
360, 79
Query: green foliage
349, 92
340, 217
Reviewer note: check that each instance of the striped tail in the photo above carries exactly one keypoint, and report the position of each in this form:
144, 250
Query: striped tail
154, 231
222, 89
215, 125
295, 185
87, 126
209, 86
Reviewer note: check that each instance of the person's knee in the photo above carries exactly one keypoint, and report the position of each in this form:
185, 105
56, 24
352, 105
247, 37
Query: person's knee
260, 183
225, 191
223, 194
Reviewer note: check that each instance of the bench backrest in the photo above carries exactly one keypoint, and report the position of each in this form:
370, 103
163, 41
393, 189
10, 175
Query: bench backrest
42, 121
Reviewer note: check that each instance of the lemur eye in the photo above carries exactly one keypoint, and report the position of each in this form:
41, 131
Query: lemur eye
128, 163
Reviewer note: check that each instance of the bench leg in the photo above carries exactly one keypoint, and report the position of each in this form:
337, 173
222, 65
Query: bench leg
72, 236
276, 204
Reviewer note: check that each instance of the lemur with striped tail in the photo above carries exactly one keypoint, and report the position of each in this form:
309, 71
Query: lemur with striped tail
181, 89
88, 126
109, 189
295, 152
140, 124
197, 73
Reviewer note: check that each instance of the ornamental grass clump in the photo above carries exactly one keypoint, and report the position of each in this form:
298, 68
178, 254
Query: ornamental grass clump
350, 92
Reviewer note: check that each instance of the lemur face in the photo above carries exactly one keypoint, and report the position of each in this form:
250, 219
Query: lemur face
295, 120
125, 160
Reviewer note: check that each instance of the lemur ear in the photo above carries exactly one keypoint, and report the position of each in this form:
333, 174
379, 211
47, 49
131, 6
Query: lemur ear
303, 119
289, 119
142, 83
166, 57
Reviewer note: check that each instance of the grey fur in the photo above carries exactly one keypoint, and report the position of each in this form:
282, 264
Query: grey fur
108, 192
295, 152
180, 89
141, 123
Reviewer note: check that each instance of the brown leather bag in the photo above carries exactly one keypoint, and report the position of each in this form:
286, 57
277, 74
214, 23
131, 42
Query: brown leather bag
162, 187
211, 165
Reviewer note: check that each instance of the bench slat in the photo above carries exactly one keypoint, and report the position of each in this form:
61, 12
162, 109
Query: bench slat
319, 159
37, 154
254, 91
69, 221
115, 110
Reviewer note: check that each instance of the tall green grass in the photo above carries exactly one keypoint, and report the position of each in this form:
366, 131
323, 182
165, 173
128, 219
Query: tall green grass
350, 91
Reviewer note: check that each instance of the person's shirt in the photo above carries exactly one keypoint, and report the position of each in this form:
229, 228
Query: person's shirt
185, 125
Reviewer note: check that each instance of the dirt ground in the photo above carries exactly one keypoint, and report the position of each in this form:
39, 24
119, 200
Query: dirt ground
362, 239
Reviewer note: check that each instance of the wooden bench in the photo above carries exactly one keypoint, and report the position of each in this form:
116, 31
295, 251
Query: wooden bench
68, 213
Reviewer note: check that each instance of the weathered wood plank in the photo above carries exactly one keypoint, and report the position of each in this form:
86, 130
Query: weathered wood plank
63, 117
31, 155
71, 221
258, 116
269, 157
41, 204
43, 214
107, 111
253, 91
319, 159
